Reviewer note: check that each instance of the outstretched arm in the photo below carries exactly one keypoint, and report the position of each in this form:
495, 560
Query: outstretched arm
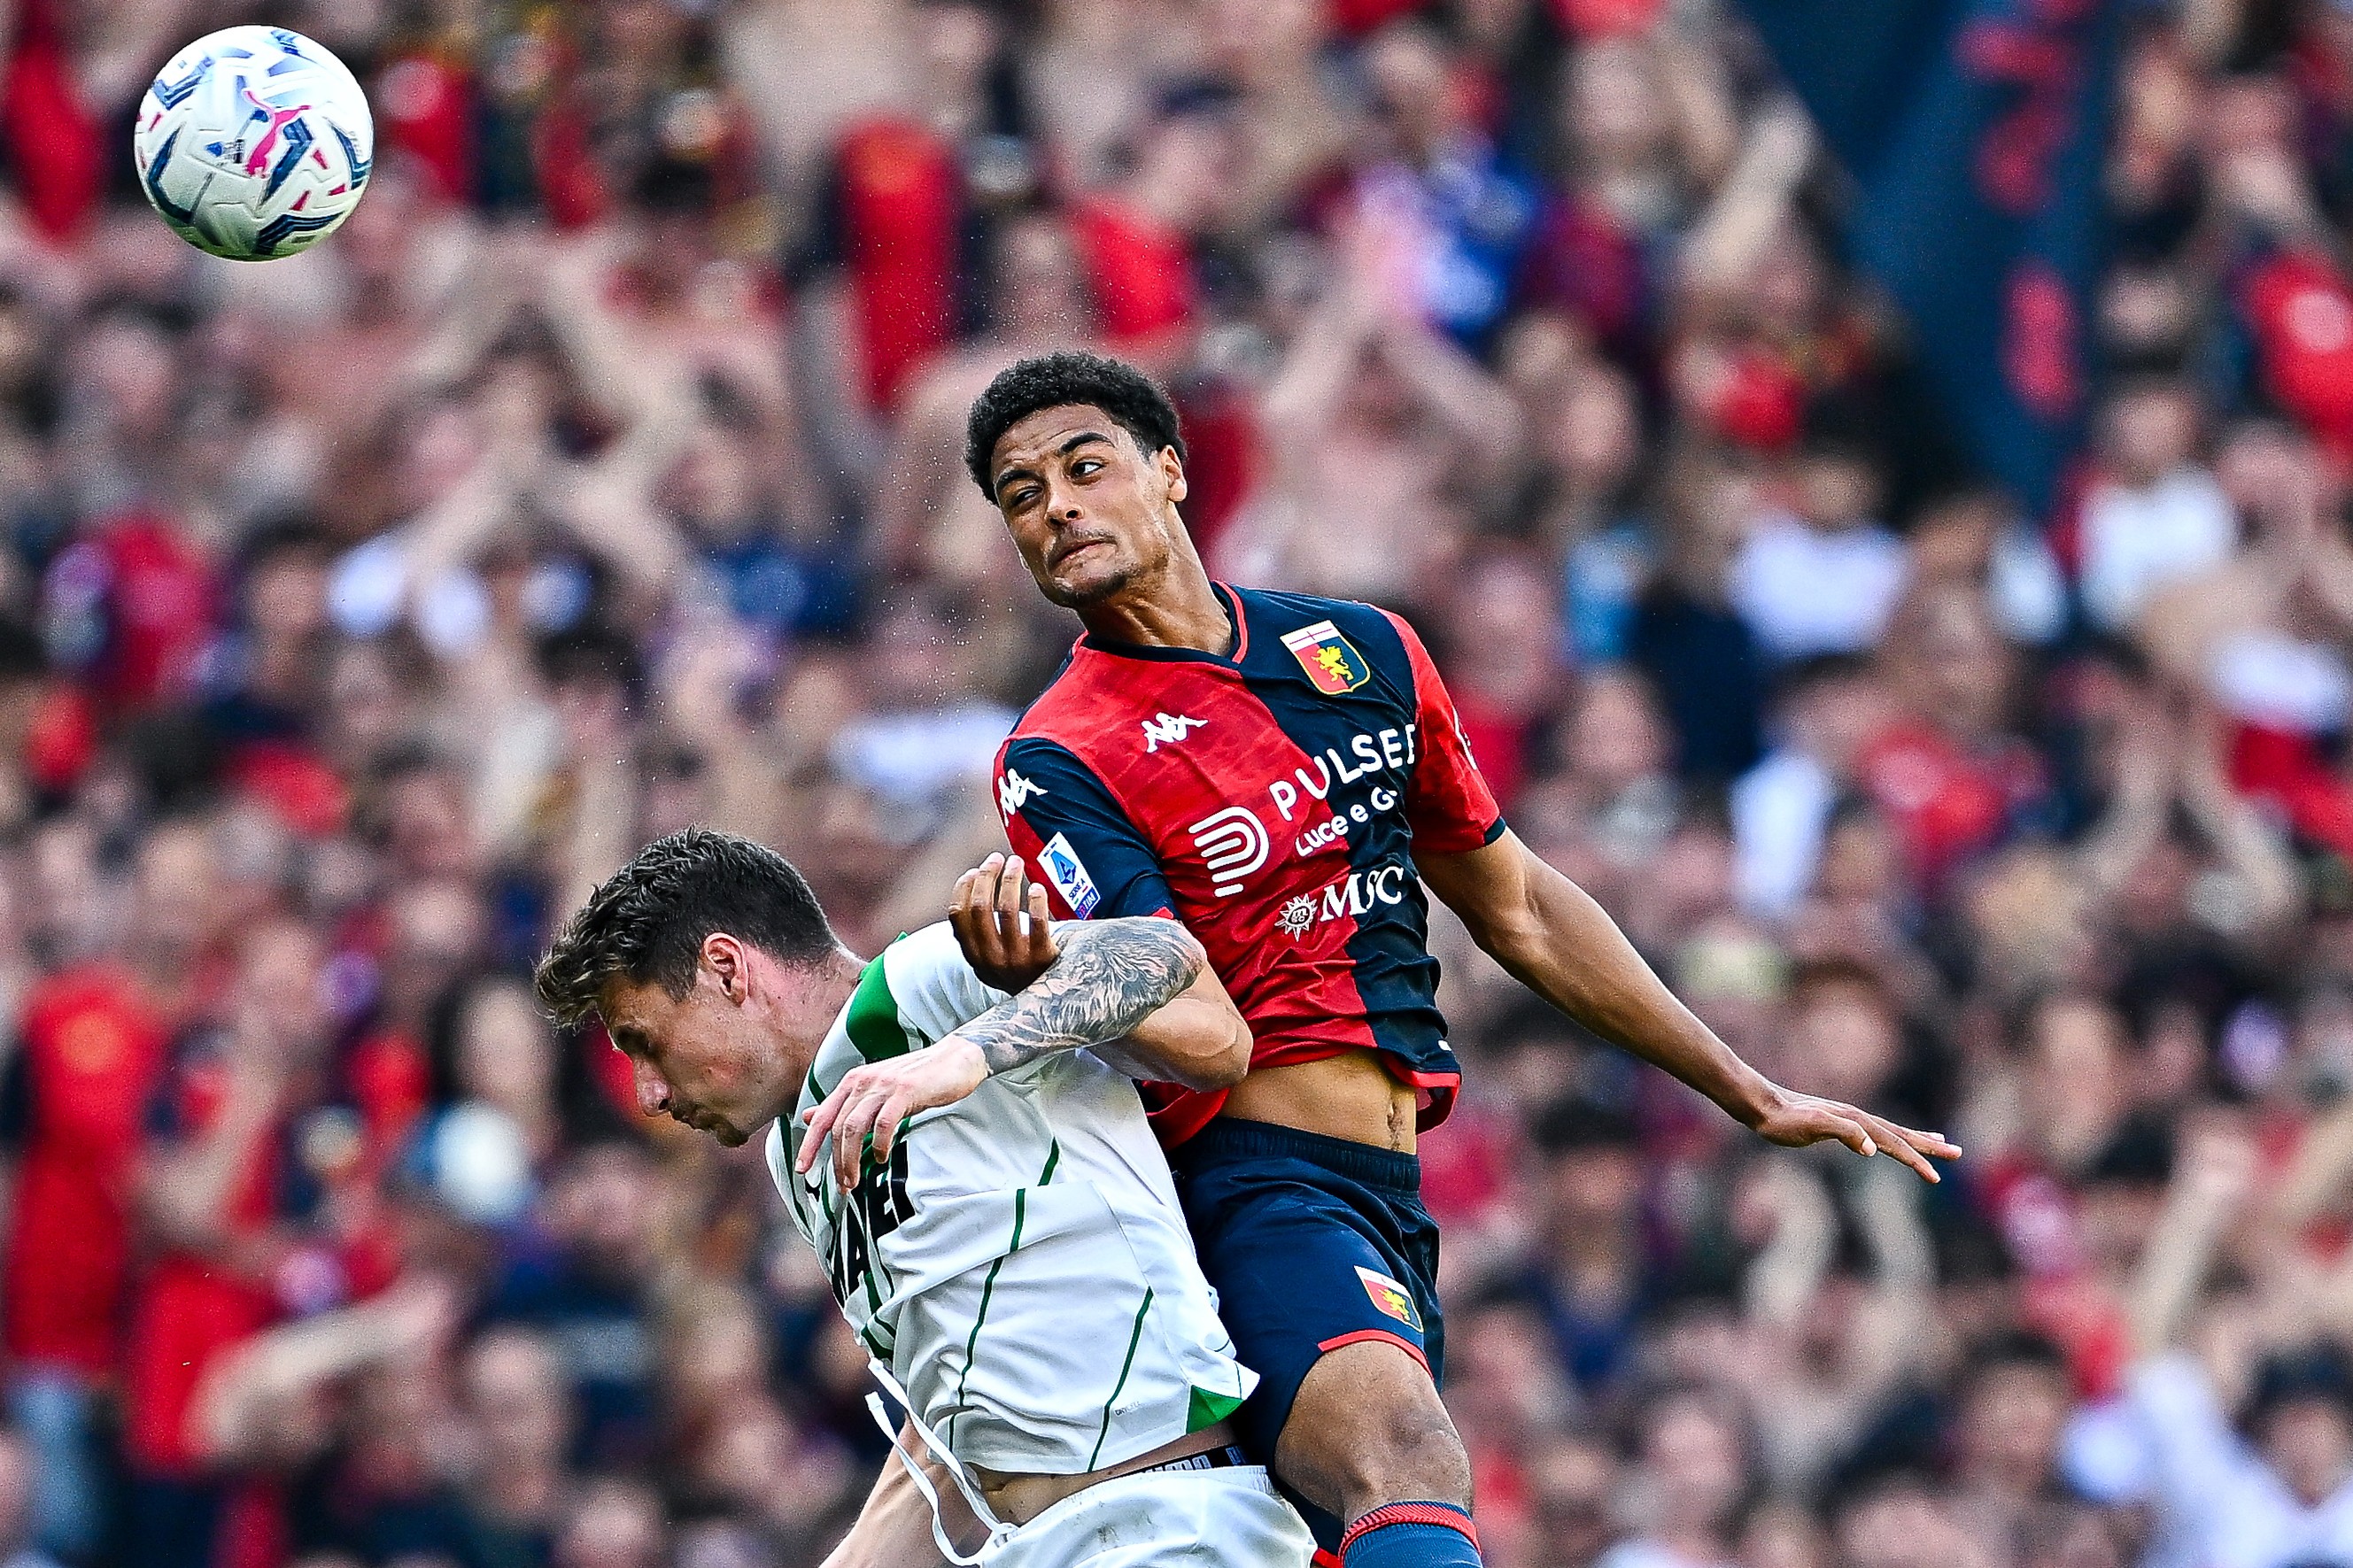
1555, 940
1138, 985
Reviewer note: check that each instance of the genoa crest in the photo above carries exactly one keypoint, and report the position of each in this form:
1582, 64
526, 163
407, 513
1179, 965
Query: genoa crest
1330, 661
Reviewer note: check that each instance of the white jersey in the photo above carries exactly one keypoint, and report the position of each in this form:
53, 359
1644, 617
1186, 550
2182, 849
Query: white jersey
1022, 1269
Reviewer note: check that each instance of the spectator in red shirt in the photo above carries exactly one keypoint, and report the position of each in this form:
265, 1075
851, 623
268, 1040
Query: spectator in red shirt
90, 1043
1137, 238
892, 270
245, 1149
1947, 773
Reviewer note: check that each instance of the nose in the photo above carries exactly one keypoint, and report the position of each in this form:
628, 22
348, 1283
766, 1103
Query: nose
1062, 500
653, 1094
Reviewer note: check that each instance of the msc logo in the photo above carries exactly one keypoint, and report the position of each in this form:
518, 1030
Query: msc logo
1013, 792
1357, 893
1232, 843
1167, 728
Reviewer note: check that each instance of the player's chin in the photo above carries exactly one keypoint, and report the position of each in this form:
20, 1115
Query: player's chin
729, 1135
1086, 586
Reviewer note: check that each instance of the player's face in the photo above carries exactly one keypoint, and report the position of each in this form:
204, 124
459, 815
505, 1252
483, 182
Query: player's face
702, 1060
1091, 513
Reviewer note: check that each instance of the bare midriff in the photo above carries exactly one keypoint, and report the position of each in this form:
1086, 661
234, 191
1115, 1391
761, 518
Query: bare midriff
1019, 1498
1349, 1095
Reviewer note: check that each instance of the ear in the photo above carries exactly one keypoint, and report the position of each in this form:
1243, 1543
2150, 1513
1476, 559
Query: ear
1172, 473
730, 964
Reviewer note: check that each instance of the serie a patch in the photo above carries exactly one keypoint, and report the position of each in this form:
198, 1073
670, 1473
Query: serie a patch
1069, 874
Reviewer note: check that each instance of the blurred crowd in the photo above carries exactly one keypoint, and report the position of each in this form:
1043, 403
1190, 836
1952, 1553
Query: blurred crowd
358, 612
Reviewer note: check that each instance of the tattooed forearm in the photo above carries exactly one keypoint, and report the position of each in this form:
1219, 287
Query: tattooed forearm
1111, 975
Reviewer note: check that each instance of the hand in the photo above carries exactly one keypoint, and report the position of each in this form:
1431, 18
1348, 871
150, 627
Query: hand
1781, 144
1001, 923
2267, 184
1799, 1121
2217, 1169
415, 1316
878, 1098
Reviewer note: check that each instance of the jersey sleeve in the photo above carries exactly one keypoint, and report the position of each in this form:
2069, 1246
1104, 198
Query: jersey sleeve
1448, 804
1073, 834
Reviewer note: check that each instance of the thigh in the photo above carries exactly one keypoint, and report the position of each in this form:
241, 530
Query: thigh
1367, 1429
1299, 1273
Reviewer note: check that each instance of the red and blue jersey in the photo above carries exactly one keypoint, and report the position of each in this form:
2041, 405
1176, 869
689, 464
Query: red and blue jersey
1272, 799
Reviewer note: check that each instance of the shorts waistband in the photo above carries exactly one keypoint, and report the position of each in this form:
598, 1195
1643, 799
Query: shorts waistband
1228, 1457
1231, 1138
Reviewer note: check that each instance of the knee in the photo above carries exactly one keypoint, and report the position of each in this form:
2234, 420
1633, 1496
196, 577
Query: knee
1415, 1457
1380, 1440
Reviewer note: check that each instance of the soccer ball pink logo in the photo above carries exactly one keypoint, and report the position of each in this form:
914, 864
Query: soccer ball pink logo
254, 143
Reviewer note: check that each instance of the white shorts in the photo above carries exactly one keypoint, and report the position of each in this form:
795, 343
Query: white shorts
1210, 1519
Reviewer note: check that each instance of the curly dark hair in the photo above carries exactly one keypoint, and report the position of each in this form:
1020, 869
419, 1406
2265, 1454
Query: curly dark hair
1135, 403
647, 922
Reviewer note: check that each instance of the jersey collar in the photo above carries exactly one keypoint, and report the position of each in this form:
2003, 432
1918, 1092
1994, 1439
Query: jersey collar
1234, 616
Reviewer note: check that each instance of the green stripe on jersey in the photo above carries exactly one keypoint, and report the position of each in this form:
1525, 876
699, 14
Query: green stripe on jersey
1135, 1338
987, 1289
873, 1022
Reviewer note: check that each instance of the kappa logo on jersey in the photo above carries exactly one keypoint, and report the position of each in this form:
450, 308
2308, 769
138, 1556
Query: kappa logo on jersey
1167, 728
1013, 791
1233, 844
1330, 661
1391, 1297
1069, 874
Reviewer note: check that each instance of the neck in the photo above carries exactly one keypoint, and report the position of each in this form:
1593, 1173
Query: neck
1176, 607
817, 994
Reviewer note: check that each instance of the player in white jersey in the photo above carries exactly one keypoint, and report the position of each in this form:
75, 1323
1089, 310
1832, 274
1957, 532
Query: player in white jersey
1014, 1262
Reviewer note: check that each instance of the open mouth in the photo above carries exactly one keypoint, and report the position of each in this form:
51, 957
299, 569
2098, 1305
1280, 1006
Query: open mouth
1071, 553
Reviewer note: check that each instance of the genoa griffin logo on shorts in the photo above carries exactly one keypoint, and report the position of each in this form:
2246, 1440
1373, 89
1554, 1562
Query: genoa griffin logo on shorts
1391, 1297
1329, 660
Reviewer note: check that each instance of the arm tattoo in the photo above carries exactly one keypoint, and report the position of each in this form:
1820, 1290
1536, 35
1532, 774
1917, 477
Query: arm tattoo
1111, 976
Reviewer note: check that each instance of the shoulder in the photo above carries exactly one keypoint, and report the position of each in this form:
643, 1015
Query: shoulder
932, 983
1028, 766
1343, 646
1270, 610
1069, 782
1068, 699
919, 956
1382, 635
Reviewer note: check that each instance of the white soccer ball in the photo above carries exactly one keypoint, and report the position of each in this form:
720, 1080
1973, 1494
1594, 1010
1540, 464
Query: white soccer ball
254, 143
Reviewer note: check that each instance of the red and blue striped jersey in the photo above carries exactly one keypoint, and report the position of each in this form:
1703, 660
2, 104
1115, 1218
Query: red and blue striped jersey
1271, 799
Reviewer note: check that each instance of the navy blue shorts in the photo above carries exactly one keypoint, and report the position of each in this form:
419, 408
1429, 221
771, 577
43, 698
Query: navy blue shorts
1313, 1243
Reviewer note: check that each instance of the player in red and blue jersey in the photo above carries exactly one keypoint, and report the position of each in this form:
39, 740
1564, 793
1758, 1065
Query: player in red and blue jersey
1287, 776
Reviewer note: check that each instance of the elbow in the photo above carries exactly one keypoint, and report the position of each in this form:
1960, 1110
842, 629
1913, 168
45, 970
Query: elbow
1508, 939
1231, 1064
1203, 1067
